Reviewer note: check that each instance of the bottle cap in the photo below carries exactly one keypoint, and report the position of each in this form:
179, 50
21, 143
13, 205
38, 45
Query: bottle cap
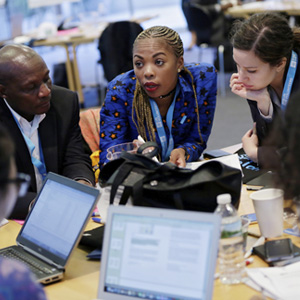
224, 199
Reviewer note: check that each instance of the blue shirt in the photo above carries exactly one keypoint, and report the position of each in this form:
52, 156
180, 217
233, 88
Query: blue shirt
116, 125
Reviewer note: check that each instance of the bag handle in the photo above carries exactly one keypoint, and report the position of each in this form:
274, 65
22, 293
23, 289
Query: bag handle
130, 162
122, 174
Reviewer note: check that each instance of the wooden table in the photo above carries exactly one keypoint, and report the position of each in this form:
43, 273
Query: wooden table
82, 275
290, 7
69, 40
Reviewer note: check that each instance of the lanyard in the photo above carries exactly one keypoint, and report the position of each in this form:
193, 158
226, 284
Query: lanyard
167, 146
289, 81
39, 164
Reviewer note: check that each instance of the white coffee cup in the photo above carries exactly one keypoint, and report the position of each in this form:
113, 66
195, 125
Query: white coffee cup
268, 205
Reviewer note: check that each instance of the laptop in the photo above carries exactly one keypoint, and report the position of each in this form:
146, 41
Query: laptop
154, 253
53, 227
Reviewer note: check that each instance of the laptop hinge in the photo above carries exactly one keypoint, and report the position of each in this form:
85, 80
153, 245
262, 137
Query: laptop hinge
43, 258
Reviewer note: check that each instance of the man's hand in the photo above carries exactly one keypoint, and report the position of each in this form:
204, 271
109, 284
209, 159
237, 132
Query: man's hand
177, 157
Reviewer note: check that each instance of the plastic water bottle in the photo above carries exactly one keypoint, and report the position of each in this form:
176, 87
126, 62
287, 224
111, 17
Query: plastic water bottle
231, 255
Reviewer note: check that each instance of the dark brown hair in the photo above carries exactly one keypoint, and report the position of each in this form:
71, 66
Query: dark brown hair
269, 35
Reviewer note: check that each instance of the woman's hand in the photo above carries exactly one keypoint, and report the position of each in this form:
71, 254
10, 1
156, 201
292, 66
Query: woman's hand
262, 96
177, 157
250, 143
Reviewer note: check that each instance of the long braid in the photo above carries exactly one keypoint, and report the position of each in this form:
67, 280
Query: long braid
196, 101
141, 105
141, 108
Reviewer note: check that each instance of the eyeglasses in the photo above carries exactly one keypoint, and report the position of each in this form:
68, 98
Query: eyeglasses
22, 182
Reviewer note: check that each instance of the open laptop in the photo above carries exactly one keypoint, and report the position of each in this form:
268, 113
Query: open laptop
153, 253
53, 227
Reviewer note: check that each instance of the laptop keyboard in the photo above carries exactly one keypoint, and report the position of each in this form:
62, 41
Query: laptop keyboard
33, 265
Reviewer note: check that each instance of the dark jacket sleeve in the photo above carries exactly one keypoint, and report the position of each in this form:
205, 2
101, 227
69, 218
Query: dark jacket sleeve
62, 145
61, 137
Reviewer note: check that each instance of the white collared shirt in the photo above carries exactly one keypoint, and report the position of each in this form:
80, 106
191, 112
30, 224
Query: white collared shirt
30, 129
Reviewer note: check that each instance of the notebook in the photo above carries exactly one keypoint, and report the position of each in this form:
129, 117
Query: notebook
53, 227
153, 253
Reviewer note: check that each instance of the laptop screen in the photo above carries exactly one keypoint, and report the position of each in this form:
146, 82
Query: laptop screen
169, 256
58, 216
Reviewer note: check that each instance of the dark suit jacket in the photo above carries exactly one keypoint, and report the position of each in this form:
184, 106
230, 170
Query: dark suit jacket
61, 141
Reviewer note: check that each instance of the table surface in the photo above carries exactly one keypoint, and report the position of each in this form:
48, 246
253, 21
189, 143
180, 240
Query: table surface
292, 8
82, 275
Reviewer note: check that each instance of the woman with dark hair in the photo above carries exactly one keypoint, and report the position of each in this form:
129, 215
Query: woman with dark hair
16, 281
266, 51
162, 100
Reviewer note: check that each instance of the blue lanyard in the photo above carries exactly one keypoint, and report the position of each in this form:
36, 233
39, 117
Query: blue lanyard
289, 81
39, 164
167, 146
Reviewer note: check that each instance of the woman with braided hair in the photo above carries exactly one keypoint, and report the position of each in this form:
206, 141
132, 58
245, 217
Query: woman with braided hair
161, 100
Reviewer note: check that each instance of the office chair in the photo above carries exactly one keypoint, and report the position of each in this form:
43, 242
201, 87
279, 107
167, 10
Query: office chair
115, 46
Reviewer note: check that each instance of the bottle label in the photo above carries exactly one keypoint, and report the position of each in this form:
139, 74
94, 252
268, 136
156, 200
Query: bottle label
231, 229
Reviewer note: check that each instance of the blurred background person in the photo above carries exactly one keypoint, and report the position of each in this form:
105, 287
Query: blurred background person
16, 281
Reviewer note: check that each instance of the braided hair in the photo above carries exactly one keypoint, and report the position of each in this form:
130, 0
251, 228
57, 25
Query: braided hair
141, 105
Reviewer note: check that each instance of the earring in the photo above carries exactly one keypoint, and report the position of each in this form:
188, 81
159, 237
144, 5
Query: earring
179, 70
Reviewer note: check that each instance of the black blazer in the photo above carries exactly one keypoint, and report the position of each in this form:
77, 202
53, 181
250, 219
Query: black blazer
61, 141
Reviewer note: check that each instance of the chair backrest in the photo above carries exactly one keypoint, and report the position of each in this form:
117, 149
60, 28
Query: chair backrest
115, 46
202, 24
208, 23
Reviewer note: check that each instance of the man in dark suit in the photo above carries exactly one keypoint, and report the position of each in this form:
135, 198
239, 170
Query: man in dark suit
43, 121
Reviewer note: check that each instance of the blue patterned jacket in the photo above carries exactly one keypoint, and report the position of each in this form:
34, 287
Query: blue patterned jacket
116, 125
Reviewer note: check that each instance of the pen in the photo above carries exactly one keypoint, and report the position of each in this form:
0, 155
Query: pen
95, 213
97, 220
249, 261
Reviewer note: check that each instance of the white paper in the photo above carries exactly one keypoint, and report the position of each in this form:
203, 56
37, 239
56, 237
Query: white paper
104, 201
3, 222
281, 282
230, 160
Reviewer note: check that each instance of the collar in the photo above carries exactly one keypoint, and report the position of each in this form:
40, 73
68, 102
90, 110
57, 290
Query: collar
34, 123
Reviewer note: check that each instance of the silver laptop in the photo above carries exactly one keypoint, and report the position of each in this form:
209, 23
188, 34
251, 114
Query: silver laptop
152, 253
54, 227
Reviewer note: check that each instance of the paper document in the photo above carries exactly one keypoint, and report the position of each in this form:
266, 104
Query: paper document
3, 222
281, 283
104, 203
230, 160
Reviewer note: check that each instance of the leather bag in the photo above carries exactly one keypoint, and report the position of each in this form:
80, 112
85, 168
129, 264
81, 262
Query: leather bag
153, 184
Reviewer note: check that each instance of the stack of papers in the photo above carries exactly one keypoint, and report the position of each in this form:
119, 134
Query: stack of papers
280, 283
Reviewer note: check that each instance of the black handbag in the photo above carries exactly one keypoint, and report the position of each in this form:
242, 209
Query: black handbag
150, 183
